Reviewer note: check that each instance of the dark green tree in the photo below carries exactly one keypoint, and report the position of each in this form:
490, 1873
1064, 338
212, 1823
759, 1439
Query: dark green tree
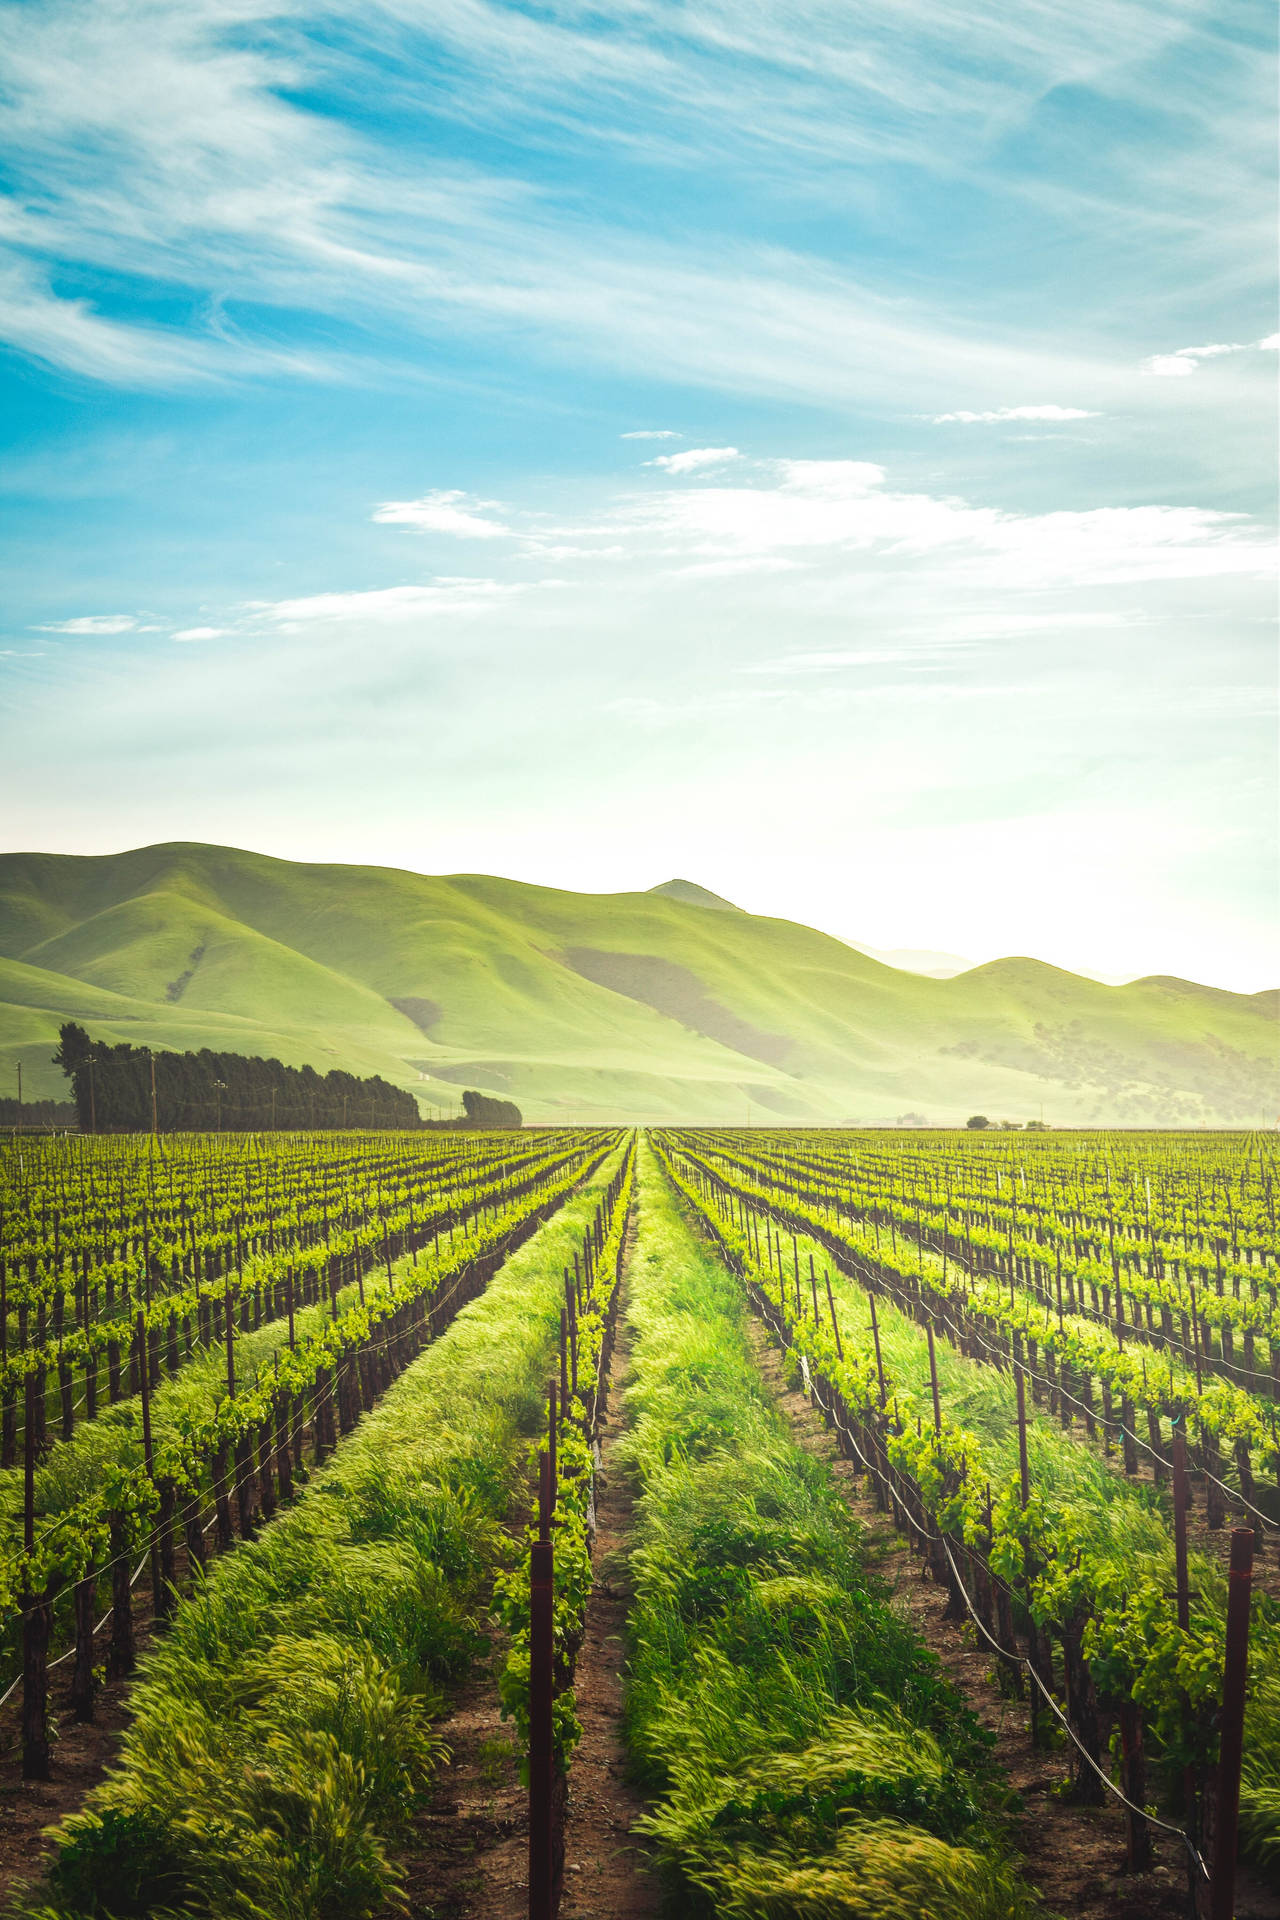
481, 1110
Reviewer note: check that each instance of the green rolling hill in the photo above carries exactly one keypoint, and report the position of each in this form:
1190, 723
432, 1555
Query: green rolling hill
663, 1006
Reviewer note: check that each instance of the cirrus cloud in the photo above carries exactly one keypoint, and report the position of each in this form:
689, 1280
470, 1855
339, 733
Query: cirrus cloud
996, 414
92, 623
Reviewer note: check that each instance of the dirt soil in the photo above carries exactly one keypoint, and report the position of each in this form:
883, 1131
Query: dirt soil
607, 1873
81, 1755
1074, 1855
469, 1857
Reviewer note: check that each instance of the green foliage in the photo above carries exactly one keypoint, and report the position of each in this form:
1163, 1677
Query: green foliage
570, 1517
1089, 1553
282, 1729
481, 1110
113, 1087
118, 1864
776, 1706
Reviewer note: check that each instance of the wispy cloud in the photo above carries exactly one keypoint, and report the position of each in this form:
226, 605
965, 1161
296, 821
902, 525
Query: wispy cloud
836, 530
846, 507
1184, 360
1016, 413
92, 623
651, 433
388, 606
208, 174
444, 512
695, 459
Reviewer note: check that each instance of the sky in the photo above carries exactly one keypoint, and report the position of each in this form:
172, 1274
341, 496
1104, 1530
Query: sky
824, 451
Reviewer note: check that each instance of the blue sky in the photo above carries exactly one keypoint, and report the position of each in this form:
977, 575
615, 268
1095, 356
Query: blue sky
823, 451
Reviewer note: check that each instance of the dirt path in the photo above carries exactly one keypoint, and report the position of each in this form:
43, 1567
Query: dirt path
470, 1847
82, 1752
1074, 1855
606, 1875
470, 1855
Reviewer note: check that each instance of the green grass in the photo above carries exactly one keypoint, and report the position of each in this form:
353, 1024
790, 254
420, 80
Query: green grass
806, 1757
282, 1729
637, 1006
1122, 1526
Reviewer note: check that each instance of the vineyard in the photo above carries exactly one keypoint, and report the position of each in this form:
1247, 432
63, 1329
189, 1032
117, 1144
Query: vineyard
942, 1471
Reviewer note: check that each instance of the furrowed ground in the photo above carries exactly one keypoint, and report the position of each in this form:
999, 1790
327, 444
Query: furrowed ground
769, 1373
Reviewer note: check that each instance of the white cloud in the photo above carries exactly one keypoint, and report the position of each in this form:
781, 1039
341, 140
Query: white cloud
1017, 413
1185, 360
694, 459
652, 433
384, 606
844, 507
444, 512
92, 623
199, 633
821, 514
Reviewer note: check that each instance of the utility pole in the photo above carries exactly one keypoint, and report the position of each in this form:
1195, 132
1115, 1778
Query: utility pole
155, 1121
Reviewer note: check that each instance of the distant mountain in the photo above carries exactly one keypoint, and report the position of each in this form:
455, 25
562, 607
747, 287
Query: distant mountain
631, 1006
694, 896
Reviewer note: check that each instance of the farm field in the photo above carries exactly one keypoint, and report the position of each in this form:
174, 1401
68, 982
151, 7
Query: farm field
288, 1421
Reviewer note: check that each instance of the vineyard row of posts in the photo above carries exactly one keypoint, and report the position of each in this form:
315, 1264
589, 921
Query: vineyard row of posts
190, 1328
1060, 1277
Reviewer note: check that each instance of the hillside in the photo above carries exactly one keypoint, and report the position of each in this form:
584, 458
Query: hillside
665, 1005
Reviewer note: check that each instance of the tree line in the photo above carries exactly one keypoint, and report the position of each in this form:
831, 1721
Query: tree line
127, 1089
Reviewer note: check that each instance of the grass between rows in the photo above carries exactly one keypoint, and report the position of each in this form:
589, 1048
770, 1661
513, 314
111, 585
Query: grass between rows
1114, 1520
806, 1757
282, 1732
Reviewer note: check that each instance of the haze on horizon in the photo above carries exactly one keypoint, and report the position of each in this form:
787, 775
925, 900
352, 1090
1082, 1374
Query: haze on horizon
828, 460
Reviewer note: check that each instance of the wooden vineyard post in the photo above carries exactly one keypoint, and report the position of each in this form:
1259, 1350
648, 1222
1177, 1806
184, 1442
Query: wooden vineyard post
564, 1361
1182, 1601
813, 1282
1183, 1595
553, 1465
84, 1685
36, 1756
231, 1345
1231, 1739
144, 1387
1137, 1831
933, 1378
1024, 1487
875, 1335
541, 1656
835, 1324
